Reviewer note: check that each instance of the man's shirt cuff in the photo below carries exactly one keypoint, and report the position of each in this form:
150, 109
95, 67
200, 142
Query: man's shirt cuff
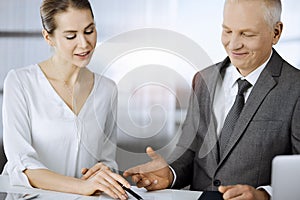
266, 188
174, 176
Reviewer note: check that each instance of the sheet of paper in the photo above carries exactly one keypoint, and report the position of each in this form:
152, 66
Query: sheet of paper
157, 195
33, 196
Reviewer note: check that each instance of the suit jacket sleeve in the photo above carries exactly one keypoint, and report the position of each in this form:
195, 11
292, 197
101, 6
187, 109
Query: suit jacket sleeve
183, 156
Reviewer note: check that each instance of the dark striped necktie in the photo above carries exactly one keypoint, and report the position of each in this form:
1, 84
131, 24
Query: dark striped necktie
233, 115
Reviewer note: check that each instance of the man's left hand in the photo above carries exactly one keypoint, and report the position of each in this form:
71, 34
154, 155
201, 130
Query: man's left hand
243, 192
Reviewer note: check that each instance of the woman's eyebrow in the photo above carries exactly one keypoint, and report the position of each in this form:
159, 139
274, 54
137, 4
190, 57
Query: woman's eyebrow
73, 31
91, 24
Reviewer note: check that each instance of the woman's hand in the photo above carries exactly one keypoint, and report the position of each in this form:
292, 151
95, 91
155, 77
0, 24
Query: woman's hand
101, 178
87, 173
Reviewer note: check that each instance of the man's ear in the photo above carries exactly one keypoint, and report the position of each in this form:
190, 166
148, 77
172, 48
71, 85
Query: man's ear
47, 37
277, 32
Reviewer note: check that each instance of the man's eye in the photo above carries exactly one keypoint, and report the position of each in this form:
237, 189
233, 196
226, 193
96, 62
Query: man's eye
227, 31
247, 34
70, 37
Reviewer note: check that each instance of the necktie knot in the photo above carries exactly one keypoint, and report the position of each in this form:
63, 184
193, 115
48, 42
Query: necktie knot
243, 86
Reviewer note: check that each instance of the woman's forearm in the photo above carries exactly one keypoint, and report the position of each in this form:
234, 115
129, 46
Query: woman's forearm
48, 180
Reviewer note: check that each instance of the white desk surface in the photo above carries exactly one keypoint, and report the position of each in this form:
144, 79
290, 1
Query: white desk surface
50, 195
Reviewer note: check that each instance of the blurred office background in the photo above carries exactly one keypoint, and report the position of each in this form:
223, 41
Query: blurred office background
149, 114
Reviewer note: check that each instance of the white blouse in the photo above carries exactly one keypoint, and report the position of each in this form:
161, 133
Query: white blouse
41, 132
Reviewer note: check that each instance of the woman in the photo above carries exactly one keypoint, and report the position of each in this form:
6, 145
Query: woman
59, 117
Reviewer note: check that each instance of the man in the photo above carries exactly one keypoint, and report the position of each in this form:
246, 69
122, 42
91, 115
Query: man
224, 150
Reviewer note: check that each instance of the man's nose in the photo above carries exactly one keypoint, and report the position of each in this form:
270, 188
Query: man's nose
235, 42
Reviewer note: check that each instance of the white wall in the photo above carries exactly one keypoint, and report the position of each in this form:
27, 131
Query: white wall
198, 20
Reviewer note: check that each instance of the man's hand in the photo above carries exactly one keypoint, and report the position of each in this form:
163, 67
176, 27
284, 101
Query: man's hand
154, 175
243, 192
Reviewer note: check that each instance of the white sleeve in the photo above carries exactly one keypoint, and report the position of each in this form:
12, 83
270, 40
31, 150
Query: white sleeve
17, 131
267, 188
108, 155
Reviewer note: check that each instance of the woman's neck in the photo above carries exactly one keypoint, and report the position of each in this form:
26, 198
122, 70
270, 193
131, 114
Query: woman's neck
62, 71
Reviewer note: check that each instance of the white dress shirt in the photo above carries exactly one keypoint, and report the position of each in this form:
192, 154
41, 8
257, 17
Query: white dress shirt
226, 91
42, 132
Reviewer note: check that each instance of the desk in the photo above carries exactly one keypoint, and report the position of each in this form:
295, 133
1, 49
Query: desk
50, 195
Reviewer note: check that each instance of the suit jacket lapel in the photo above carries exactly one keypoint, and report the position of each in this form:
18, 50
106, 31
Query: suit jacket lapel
265, 83
210, 140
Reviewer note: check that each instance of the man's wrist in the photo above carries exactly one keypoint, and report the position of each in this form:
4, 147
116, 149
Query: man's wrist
264, 194
173, 175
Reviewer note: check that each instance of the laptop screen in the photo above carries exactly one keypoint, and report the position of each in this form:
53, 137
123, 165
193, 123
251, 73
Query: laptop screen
285, 177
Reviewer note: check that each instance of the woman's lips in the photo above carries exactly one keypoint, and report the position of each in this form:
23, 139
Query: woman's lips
83, 55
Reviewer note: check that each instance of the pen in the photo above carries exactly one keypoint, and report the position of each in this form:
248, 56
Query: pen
131, 192
29, 196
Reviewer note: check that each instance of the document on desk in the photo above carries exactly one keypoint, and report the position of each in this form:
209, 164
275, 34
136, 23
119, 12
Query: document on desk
144, 194
33, 196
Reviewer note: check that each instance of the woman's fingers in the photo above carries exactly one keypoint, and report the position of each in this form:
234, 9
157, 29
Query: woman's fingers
87, 173
106, 181
111, 190
112, 183
119, 179
108, 191
83, 172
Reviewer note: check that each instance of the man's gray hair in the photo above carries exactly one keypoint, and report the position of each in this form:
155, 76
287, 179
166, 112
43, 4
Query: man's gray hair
272, 10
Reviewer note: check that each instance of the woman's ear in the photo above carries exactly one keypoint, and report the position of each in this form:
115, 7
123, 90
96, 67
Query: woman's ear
47, 37
277, 32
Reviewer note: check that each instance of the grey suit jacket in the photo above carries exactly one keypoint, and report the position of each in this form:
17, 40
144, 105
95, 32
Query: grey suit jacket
269, 125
